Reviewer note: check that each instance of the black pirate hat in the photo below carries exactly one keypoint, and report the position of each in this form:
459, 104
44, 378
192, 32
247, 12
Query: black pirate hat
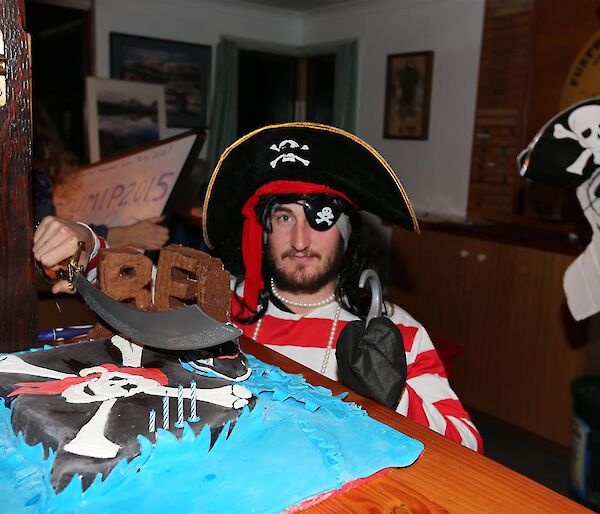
566, 150
295, 158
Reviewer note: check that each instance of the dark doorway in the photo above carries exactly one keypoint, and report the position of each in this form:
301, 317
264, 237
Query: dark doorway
272, 86
320, 83
267, 89
59, 47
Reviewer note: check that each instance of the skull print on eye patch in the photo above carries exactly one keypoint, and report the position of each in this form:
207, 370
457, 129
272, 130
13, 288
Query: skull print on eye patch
321, 215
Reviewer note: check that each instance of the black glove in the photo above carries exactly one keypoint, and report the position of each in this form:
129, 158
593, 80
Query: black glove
372, 361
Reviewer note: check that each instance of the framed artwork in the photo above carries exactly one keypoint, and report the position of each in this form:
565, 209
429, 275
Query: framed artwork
123, 115
183, 68
407, 95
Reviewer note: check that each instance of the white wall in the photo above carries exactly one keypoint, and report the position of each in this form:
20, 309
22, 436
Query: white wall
192, 21
435, 172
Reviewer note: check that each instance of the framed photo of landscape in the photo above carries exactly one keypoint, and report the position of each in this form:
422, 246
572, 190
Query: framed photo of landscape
183, 68
407, 95
123, 115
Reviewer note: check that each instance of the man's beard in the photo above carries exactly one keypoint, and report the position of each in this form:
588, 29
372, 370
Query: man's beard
298, 281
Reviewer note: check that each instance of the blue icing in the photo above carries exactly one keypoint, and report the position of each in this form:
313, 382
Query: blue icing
298, 441
22, 352
266, 378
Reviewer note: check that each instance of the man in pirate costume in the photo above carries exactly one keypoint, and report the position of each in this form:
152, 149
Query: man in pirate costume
281, 211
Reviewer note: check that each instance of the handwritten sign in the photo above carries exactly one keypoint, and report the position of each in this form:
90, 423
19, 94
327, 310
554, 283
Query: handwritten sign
123, 191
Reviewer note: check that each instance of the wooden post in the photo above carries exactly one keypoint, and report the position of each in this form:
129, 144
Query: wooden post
17, 289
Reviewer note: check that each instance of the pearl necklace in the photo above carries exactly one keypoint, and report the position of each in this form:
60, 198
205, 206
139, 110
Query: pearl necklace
287, 301
329, 347
336, 318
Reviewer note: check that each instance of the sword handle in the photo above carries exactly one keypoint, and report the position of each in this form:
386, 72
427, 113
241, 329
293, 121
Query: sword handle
66, 269
73, 266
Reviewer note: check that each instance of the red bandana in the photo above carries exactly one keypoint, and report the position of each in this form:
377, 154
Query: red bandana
58, 386
252, 231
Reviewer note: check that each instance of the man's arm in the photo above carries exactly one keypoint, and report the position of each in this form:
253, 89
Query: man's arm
146, 234
428, 397
55, 239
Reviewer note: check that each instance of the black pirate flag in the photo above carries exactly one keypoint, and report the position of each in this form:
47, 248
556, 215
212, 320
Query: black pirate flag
89, 401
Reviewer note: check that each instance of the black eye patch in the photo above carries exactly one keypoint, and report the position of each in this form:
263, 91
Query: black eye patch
321, 211
321, 215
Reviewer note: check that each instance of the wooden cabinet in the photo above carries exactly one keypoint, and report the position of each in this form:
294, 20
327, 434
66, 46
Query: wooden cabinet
505, 305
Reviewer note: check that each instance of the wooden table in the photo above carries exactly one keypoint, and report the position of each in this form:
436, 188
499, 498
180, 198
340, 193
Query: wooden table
445, 478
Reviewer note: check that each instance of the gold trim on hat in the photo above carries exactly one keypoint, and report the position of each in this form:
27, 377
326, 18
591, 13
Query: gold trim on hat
317, 126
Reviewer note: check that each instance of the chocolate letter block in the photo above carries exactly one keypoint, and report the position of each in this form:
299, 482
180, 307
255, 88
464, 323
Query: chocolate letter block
126, 275
214, 297
188, 276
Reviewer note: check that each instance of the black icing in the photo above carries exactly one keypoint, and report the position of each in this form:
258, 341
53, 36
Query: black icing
52, 421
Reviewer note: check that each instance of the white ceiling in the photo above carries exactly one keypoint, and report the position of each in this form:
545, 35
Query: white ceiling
297, 5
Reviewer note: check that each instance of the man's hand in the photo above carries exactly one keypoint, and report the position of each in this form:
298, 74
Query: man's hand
55, 240
147, 234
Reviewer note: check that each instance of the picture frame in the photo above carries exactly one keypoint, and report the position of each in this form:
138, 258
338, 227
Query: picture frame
183, 68
123, 115
408, 95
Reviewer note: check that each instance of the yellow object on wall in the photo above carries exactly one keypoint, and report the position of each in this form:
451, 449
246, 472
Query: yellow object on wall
583, 79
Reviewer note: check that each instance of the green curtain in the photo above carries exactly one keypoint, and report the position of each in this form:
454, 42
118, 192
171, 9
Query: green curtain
223, 128
345, 86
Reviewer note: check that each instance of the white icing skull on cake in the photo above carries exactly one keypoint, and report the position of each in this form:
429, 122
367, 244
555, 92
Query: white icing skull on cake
109, 385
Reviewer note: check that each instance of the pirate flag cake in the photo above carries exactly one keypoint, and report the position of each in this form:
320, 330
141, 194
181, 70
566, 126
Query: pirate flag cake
87, 403
566, 153
108, 425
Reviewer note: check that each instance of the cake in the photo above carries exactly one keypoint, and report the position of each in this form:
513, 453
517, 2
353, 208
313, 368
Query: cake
264, 446
89, 401
107, 425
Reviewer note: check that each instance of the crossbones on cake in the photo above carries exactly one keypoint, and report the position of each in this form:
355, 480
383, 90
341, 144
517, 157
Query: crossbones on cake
92, 393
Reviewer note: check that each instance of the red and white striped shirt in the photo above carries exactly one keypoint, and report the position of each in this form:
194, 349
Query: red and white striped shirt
99, 244
427, 397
